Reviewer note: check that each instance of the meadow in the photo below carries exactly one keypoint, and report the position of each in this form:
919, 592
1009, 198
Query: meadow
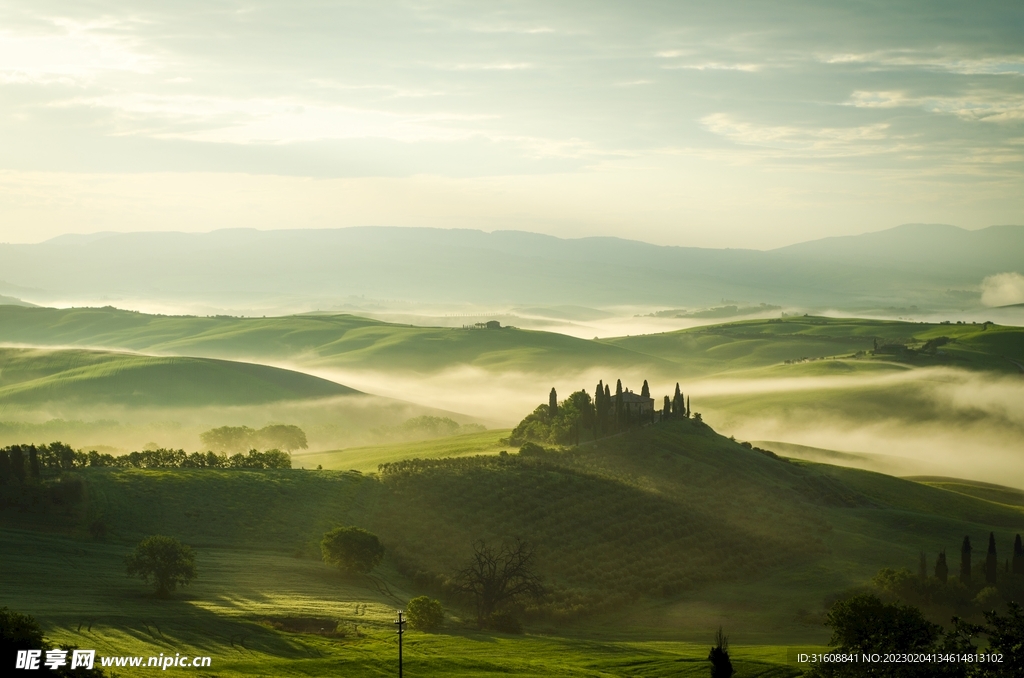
647, 542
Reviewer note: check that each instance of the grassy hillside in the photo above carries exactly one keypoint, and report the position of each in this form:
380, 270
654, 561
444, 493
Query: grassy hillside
83, 598
316, 340
643, 539
32, 376
666, 519
753, 344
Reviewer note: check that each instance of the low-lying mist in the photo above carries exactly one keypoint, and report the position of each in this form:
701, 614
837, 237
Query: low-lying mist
934, 421
329, 423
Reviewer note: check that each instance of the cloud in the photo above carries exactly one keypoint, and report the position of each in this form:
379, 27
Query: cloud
1003, 289
902, 59
833, 141
988, 106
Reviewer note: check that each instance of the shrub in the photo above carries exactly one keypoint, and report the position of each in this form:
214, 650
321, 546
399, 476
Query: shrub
425, 614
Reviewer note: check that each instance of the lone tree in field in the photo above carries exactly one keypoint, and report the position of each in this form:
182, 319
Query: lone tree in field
721, 665
424, 614
499, 577
352, 549
163, 560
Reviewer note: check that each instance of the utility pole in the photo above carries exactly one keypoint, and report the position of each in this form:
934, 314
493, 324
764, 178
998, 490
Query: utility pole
401, 629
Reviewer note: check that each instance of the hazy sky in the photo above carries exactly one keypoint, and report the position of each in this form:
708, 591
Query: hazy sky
749, 124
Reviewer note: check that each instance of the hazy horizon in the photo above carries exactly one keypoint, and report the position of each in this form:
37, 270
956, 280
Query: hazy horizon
86, 236
673, 123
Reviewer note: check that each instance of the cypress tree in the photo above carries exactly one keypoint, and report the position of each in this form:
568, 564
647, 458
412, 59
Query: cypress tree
553, 403
965, 562
991, 561
1018, 556
5, 468
607, 408
599, 408
33, 461
941, 570
687, 407
667, 411
646, 390
618, 403
17, 463
922, 567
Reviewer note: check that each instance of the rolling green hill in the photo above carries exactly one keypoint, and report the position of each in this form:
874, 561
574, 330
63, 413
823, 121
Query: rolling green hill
316, 340
757, 344
35, 376
354, 342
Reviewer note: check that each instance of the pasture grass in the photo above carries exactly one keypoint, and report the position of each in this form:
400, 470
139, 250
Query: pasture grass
368, 458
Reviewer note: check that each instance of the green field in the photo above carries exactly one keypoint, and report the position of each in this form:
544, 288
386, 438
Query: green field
30, 377
647, 541
83, 599
366, 459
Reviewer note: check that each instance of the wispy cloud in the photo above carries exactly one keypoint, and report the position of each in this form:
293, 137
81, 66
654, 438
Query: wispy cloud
715, 66
70, 52
989, 106
1011, 64
830, 141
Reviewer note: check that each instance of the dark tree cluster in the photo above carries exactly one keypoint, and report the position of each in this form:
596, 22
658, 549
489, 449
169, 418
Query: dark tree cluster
580, 417
163, 458
966, 592
866, 624
21, 463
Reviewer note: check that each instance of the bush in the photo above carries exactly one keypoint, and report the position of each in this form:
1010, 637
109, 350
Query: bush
425, 614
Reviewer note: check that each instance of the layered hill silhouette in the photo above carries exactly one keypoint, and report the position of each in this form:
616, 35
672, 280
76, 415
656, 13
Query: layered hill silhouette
35, 376
907, 264
350, 341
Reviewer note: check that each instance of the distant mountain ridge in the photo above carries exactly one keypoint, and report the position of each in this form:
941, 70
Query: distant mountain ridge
902, 265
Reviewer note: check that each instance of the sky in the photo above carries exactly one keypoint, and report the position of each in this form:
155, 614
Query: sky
730, 124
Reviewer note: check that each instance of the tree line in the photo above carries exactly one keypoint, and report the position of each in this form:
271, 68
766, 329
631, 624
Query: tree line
974, 586
580, 417
22, 464
229, 439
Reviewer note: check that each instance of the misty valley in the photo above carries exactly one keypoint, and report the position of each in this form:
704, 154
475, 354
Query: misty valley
758, 478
